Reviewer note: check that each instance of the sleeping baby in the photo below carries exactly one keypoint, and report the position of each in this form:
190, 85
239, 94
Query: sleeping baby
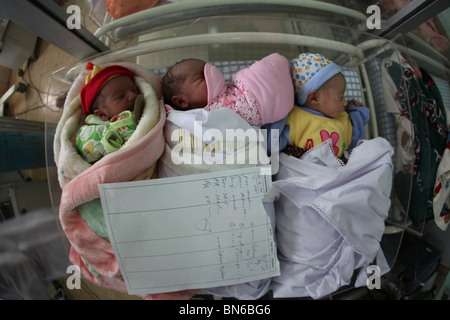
262, 93
108, 100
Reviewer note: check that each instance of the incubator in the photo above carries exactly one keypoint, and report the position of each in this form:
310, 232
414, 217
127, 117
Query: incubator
232, 36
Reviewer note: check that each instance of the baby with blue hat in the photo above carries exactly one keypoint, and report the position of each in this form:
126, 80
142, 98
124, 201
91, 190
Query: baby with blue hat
321, 111
310, 72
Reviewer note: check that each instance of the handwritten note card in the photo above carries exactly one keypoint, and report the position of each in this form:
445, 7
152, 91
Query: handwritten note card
191, 232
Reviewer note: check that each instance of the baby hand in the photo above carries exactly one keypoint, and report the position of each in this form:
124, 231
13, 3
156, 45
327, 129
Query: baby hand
118, 117
355, 103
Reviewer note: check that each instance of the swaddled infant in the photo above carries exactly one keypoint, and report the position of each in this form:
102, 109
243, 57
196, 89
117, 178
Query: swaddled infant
108, 100
262, 93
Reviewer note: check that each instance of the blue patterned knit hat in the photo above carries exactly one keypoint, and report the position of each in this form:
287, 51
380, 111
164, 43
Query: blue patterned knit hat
309, 72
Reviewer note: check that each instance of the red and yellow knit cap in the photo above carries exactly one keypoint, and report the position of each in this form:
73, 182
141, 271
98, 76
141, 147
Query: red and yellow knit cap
96, 80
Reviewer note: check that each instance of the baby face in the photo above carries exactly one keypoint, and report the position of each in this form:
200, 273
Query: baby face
194, 89
332, 101
117, 95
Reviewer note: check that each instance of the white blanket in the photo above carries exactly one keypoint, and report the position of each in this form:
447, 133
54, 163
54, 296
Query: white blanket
199, 141
330, 218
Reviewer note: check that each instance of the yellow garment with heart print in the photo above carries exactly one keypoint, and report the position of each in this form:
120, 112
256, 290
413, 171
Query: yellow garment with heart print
307, 130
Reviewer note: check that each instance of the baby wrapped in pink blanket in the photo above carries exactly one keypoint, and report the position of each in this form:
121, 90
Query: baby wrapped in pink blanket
261, 93
80, 209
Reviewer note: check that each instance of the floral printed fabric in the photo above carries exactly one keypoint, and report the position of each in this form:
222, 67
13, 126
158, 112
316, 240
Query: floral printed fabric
97, 138
420, 103
239, 99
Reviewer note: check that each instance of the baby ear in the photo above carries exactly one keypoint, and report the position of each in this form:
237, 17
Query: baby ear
313, 97
180, 102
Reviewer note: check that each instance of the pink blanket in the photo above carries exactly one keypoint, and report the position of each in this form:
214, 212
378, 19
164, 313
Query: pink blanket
262, 93
79, 180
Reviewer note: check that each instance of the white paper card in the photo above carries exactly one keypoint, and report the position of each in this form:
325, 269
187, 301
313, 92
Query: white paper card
191, 232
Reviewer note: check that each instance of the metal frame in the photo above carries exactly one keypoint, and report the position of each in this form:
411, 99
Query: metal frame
47, 20
182, 11
412, 15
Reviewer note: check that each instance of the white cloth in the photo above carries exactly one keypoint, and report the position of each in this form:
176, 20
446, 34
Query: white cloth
330, 217
199, 141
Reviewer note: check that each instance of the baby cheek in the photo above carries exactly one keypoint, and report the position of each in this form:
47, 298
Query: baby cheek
204, 92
